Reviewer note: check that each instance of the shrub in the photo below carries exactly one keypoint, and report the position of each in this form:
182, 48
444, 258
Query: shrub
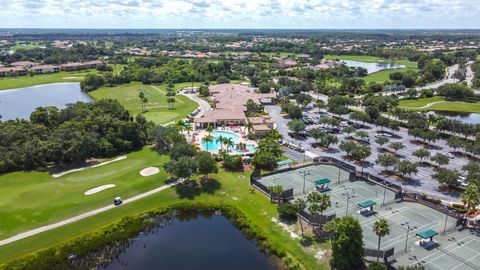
287, 211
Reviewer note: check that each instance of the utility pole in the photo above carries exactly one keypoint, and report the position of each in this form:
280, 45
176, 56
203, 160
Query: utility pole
348, 198
384, 194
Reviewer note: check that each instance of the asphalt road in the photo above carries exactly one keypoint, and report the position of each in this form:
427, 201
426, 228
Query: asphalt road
421, 183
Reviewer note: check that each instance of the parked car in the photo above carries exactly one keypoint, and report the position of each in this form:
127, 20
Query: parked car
450, 155
117, 201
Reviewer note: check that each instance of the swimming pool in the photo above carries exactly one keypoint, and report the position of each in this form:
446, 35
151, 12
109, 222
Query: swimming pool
216, 145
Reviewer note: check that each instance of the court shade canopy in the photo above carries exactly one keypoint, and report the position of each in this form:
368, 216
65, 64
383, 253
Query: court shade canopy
284, 162
427, 234
322, 181
366, 204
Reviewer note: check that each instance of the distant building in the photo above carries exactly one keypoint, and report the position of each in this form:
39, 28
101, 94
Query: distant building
12, 71
24, 64
45, 69
230, 105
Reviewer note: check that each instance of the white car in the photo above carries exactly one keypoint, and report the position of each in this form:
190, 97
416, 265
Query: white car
450, 156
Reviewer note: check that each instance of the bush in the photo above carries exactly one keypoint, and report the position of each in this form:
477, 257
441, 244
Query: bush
377, 266
232, 163
287, 211
223, 79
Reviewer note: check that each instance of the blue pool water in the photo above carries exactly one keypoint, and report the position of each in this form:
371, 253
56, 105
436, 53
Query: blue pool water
214, 146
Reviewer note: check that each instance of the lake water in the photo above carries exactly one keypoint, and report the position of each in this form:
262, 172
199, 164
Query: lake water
21, 102
372, 67
468, 118
201, 241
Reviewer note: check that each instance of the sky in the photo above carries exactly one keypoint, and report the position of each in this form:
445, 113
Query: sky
241, 14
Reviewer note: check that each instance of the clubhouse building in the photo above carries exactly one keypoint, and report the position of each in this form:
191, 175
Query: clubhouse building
229, 108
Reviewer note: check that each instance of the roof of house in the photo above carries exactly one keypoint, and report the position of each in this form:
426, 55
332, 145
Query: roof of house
261, 128
215, 115
23, 64
256, 120
72, 65
8, 69
43, 67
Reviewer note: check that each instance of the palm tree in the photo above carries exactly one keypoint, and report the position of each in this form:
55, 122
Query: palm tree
172, 100
249, 126
300, 205
209, 129
220, 139
207, 140
229, 142
145, 100
141, 95
381, 229
471, 197
276, 189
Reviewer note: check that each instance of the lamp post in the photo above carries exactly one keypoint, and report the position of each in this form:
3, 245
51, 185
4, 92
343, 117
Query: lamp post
304, 179
384, 194
348, 198
338, 165
446, 220
406, 238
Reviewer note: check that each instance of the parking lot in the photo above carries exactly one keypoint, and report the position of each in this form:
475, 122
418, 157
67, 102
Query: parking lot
420, 183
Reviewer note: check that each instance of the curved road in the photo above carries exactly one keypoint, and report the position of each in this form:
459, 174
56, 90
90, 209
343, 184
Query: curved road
84, 215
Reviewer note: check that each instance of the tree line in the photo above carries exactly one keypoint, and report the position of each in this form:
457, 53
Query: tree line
70, 136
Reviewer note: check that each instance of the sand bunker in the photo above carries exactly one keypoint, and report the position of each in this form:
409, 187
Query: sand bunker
98, 189
149, 171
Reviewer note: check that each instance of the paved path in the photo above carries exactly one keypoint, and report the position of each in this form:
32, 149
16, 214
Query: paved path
428, 105
84, 215
204, 106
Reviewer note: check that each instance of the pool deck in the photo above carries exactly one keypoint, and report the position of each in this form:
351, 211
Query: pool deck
197, 136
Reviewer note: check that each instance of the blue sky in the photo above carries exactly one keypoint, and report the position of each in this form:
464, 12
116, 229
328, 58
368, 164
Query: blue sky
315, 14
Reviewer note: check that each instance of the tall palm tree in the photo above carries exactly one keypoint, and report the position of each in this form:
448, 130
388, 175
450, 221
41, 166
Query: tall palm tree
229, 142
381, 229
300, 205
209, 129
207, 140
141, 95
249, 126
220, 139
471, 197
277, 190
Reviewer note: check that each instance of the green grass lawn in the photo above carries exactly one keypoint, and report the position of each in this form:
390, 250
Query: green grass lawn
63, 76
32, 199
26, 81
65, 195
157, 105
454, 106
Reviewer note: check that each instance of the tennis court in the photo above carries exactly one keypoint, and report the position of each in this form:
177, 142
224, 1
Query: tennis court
459, 250
296, 178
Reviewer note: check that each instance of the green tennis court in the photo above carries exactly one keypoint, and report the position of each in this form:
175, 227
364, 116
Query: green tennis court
296, 178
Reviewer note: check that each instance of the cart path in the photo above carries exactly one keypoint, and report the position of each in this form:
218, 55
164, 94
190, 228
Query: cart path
85, 215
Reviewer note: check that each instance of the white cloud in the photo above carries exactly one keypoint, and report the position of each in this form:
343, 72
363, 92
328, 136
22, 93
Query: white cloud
240, 13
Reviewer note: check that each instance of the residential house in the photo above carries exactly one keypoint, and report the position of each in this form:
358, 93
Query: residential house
44, 69
23, 64
12, 71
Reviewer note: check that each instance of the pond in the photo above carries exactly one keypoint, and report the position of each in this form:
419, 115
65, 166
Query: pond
21, 102
192, 241
372, 67
467, 118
